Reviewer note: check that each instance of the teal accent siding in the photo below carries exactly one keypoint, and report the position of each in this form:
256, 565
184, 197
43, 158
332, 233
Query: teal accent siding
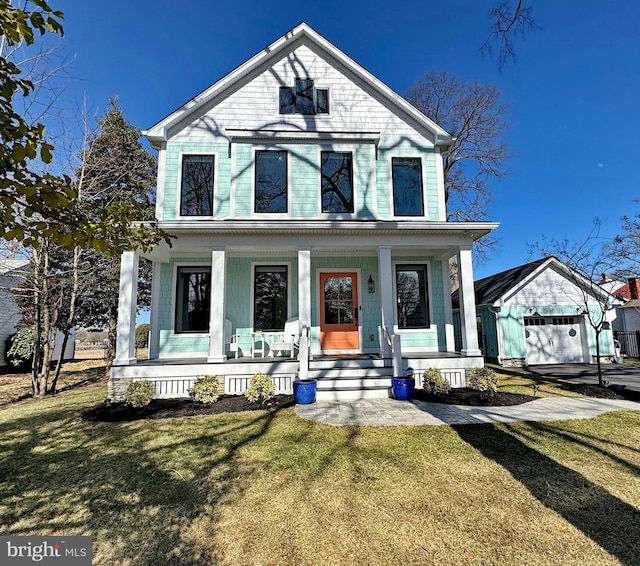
170, 343
238, 302
384, 187
364, 187
222, 192
304, 192
244, 180
513, 331
489, 344
304, 178
239, 305
428, 338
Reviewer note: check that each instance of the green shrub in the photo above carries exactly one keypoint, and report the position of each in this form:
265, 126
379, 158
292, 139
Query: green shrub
139, 393
261, 387
142, 335
20, 348
483, 379
434, 382
206, 389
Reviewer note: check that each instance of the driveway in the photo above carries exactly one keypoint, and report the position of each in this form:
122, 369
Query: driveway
615, 374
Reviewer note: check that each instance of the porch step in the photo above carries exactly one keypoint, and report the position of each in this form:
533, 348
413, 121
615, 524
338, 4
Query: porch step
351, 372
362, 363
337, 385
347, 379
351, 393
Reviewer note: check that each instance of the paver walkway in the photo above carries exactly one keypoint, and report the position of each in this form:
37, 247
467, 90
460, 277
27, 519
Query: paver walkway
390, 412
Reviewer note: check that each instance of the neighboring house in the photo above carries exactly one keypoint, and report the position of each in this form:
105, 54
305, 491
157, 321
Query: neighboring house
628, 313
304, 195
534, 314
12, 273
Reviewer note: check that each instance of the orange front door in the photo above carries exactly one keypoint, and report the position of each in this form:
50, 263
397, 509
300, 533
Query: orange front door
339, 311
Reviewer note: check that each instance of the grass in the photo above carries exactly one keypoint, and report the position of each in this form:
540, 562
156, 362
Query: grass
273, 489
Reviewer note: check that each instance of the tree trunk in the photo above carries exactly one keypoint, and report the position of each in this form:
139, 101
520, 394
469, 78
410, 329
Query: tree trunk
112, 334
37, 349
599, 365
71, 318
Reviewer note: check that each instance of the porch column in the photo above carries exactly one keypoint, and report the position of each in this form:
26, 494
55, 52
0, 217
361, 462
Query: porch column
448, 312
154, 329
468, 325
216, 311
304, 286
127, 303
385, 283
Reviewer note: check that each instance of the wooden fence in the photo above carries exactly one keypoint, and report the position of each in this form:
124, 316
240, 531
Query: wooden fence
629, 342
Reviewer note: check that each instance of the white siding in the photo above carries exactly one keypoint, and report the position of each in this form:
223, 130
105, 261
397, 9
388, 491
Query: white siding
255, 106
549, 288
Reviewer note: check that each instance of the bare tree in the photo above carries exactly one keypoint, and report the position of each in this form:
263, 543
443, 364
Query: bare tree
510, 19
626, 247
475, 115
586, 262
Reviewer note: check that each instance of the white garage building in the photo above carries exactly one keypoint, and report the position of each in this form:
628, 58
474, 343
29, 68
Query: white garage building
537, 314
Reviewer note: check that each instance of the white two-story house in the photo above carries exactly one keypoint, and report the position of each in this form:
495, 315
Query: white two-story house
304, 195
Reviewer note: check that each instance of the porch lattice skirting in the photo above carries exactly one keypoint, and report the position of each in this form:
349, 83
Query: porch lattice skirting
338, 379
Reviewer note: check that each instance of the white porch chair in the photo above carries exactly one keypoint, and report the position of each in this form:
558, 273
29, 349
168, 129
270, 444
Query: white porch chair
230, 340
288, 340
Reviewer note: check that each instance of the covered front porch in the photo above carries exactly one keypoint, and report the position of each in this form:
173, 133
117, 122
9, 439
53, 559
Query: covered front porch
378, 293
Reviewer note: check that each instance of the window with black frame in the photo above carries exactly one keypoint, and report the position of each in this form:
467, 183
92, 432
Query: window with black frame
193, 298
336, 171
303, 98
412, 296
270, 300
271, 182
408, 196
196, 188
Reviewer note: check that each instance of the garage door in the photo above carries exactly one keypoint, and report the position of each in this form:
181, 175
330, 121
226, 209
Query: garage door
553, 340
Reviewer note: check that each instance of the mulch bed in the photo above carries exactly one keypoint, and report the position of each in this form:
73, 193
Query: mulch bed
594, 390
170, 408
466, 396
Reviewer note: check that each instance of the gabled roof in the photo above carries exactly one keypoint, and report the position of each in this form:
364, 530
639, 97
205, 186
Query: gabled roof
491, 289
299, 35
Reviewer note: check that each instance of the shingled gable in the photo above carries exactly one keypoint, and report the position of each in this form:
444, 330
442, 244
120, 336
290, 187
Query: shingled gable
491, 289
302, 34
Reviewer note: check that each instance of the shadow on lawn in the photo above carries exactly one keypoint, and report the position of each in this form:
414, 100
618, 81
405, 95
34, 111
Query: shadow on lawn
138, 496
604, 518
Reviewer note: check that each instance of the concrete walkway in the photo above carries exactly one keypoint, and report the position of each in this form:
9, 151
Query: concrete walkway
390, 412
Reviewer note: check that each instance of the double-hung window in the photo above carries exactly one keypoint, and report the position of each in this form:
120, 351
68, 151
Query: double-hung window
270, 297
271, 181
196, 188
408, 199
412, 294
336, 171
193, 297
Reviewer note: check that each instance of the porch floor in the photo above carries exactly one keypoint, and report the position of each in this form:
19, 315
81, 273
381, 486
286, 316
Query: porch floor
316, 358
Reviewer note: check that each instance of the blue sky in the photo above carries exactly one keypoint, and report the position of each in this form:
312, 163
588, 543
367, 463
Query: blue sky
573, 90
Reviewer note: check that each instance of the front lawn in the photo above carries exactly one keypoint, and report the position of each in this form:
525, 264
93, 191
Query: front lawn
268, 488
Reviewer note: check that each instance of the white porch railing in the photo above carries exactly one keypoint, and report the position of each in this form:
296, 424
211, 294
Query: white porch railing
391, 343
304, 350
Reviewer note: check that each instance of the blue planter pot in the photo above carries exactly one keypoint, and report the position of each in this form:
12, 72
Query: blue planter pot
304, 391
403, 387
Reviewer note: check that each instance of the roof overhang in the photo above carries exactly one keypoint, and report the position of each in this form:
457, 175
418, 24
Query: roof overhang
159, 133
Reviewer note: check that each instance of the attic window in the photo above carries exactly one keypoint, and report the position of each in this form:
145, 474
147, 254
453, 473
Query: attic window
303, 98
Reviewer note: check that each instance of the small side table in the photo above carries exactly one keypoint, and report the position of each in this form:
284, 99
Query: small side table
258, 344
